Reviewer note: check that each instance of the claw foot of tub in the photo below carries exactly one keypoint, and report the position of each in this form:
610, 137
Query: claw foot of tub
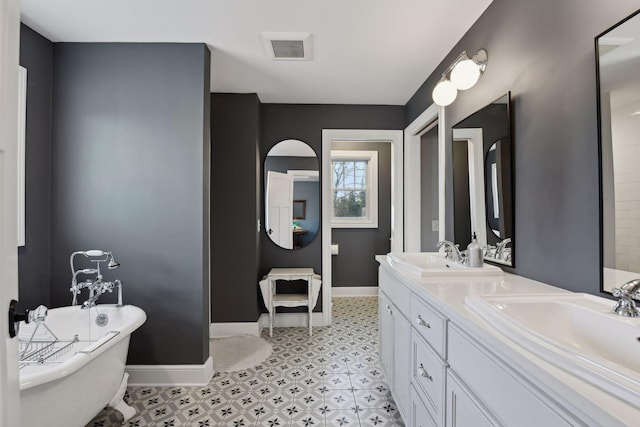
127, 411
118, 402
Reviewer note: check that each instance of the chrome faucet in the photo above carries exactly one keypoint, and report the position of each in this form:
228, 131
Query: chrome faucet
451, 250
101, 288
627, 293
501, 247
96, 286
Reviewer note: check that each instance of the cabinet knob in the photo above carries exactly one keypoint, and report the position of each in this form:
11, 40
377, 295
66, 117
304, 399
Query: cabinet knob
424, 373
422, 322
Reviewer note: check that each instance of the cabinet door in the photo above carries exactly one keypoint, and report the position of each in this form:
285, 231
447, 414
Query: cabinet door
401, 361
462, 409
419, 416
385, 336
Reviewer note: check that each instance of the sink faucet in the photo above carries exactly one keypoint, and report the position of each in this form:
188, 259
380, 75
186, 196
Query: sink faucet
626, 306
501, 247
451, 250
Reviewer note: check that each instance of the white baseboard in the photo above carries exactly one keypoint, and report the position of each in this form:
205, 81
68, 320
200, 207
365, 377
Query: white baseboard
229, 329
291, 320
354, 291
170, 375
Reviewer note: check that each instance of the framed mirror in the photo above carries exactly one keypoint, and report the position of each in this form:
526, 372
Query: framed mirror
483, 181
618, 59
292, 194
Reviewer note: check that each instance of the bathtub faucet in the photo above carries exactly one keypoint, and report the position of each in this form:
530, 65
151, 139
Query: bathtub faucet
99, 288
96, 286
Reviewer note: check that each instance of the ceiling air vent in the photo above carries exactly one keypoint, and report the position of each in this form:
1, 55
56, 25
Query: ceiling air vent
288, 46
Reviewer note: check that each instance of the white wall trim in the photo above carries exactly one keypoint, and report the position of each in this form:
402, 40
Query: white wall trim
395, 137
292, 320
412, 191
229, 329
170, 375
355, 291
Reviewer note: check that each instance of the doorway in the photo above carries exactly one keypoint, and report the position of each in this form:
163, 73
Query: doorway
329, 137
414, 220
429, 187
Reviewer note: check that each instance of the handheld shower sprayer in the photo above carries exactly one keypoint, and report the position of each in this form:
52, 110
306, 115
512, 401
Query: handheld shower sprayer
113, 264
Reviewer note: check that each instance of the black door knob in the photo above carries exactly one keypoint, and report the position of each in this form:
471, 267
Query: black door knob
15, 318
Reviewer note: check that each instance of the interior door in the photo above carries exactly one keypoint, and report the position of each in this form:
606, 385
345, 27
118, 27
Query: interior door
9, 45
279, 214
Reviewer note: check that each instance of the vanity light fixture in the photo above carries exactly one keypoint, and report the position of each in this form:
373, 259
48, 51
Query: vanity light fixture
462, 74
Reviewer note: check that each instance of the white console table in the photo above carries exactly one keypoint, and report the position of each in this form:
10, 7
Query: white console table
289, 300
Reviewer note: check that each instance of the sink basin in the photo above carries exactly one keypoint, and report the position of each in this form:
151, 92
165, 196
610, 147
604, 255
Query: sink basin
433, 264
576, 332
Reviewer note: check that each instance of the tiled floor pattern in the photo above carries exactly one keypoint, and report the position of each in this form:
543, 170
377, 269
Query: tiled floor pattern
330, 379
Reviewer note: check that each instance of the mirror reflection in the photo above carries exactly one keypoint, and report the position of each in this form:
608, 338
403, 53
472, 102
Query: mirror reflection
618, 54
292, 196
482, 181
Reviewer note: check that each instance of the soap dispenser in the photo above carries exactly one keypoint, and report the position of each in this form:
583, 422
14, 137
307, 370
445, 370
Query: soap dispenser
474, 253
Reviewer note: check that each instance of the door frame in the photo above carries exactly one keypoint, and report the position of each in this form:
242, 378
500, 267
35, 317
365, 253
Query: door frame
395, 138
433, 115
9, 59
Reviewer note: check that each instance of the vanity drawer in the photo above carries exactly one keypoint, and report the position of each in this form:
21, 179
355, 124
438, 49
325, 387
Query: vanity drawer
431, 325
397, 292
428, 374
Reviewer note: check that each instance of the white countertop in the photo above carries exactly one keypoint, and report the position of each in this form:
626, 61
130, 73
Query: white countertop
576, 395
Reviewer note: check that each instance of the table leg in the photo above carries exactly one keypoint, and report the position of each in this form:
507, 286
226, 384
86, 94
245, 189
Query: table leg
271, 308
310, 298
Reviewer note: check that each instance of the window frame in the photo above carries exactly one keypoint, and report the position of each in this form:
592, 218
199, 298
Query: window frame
371, 220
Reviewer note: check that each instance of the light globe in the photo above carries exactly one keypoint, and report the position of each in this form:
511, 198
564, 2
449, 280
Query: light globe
465, 74
444, 93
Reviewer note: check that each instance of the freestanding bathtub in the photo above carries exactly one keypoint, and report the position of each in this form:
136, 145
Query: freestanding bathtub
70, 376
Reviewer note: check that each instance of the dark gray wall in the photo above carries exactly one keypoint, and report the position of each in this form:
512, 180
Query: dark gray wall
305, 122
129, 175
36, 55
429, 196
355, 265
543, 52
235, 129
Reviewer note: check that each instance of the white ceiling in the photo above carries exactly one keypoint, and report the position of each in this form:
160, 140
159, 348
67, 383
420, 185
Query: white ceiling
364, 51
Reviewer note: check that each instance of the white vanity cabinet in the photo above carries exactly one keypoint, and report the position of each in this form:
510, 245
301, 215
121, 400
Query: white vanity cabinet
395, 338
441, 374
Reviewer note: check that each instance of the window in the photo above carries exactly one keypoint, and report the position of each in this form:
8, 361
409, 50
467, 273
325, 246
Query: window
354, 185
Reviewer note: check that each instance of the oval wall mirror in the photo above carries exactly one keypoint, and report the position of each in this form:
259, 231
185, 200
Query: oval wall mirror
496, 166
292, 194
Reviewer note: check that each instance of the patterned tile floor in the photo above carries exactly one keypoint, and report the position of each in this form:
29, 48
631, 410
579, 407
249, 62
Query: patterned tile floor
331, 379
